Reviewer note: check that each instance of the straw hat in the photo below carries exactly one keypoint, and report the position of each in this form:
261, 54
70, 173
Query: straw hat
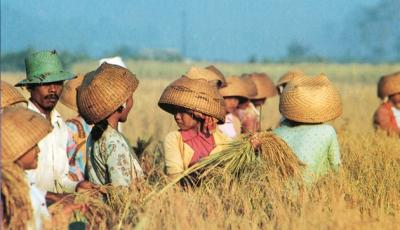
249, 85
389, 85
44, 67
221, 81
68, 95
290, 75
104, 90
10, 95
207, 74
265, 86
17, 134
310, 100
235, 88
194, 94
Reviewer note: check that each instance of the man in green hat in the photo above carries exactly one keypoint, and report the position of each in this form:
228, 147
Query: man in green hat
45, 78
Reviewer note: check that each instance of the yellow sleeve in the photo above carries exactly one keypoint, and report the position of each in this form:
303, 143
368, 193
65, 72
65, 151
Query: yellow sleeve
221, 141
173, 155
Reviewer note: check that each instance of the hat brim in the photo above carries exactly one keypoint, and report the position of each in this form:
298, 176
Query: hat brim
52, 77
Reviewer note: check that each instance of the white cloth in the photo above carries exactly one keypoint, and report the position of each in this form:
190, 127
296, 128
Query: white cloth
396, 113
228, 128
52, 171
38, 202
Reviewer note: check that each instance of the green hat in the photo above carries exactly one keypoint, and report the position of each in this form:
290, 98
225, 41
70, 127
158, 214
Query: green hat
44, 67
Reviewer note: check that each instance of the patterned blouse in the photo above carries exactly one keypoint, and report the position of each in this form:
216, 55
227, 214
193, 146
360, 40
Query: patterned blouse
78, 131
316, 145
111, 160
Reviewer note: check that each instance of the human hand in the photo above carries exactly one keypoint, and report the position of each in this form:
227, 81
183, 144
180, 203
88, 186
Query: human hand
255, 141
85, 185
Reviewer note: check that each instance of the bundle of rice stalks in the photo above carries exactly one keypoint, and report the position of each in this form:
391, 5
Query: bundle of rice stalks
239, 156
15, 198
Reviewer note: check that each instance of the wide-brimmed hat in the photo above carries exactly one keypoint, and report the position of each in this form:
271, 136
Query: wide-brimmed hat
389, 85
104, 90
249, 85
290, 75
194, 94
221, 80
10, 95
21, 130
310, 100
44, 67
204, 73
265, 86
235, 88
68, 95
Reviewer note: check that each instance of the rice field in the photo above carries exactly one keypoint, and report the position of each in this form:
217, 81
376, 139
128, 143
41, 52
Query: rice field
365, 194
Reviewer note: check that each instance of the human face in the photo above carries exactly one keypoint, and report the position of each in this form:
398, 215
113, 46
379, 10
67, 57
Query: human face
231, 104
45, 96
125, 112
259, 102
185, 120
395, 99
30, 159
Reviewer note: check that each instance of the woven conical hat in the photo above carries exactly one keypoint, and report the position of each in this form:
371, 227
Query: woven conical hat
235, 88
222, 80
104, 90
290, 75
249, 85
203, 73
194, 94
265, 86
68, 95
10, 95
389, 85
21, 130
310, 100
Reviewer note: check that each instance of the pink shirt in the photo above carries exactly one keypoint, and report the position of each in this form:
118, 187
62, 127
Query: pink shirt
201, 145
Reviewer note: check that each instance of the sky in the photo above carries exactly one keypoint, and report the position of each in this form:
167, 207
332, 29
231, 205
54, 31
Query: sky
227, 30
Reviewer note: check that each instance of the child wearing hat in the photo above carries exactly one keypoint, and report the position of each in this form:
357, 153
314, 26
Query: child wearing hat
24, 205
78, 131
387, 116
10, 96
306, 103
197, 108
104, 99
234, 94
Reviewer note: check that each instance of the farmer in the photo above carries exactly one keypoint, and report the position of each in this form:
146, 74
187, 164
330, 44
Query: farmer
78, 131
248, 115
234, 94
24, 203
10, 96
286, 78
196, 110
306, 103
105, 98
210, 73
45, 78
387, 116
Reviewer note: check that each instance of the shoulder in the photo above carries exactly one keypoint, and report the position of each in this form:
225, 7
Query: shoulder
384, 108
220, 137
173, 136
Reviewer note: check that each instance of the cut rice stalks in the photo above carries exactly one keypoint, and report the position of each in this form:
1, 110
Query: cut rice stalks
240, 154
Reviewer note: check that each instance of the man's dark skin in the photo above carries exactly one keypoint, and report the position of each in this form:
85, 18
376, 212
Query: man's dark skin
45, 97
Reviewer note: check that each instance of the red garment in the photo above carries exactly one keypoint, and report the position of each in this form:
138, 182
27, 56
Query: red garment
201, 145
384, 118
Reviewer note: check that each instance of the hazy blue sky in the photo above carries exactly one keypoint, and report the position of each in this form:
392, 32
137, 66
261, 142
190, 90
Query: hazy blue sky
215, 30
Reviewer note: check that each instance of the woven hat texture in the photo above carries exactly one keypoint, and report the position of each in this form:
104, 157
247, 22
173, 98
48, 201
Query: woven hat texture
203, 73
389, 85
235, 88
68, 95
194, 94
310, 100
21, 130
249, 85
44, 67
103, 91
290, 75
265, 86
10, 95
222, 80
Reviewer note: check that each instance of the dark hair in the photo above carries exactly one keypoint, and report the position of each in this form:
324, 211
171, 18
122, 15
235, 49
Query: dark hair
99, 128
